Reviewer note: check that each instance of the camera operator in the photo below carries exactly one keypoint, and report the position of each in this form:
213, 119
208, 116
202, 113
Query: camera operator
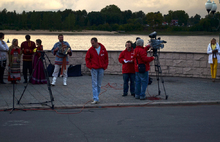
141, 77
134, 44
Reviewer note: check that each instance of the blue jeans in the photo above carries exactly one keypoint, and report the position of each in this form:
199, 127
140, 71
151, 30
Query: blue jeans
126, 78
141, 84
97, 75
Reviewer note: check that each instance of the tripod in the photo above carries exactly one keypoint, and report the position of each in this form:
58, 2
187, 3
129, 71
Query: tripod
42, 58
13, 106
158, 73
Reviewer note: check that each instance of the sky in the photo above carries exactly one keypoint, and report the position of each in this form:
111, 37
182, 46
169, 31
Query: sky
192, 7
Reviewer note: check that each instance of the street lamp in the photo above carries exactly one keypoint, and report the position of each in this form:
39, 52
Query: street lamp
211, 6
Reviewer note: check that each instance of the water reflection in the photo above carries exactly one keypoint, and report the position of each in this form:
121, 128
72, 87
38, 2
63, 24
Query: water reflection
117, 42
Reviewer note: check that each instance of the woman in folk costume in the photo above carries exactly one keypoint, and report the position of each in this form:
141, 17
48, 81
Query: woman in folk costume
214, 57
38, 76
14, 57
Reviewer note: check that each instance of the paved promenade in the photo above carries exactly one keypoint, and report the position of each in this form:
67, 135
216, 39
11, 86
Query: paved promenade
78, 93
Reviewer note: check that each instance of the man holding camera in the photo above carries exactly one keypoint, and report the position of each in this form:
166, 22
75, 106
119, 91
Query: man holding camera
61, 49
142, 66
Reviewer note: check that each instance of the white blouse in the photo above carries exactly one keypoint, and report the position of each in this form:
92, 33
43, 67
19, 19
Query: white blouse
3, 50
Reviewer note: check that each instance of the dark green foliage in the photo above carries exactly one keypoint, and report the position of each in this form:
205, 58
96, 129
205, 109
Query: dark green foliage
110, 18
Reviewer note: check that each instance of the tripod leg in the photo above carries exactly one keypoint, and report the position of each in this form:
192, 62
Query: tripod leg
28, 82
166, 96
157, 73
48, 83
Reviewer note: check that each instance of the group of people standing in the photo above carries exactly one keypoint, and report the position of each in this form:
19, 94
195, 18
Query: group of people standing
130, 59
96, 60
30, 60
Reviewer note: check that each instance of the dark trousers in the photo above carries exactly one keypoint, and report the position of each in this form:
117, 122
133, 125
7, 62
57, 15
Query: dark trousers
2, 69
129, 77
27, 66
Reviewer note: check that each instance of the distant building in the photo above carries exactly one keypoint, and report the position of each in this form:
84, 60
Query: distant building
164, 23
174, 23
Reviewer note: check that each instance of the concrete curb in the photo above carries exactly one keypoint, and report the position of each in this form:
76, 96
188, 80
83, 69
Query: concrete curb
179, 103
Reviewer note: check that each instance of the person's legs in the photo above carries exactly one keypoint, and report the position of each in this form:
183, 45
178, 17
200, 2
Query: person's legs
94, 74
25, 64
125, 85
144, 84
132, 83
215, 65
212, 70
2, 70
55, 74
137, 85
30, 69
99, 80
65, 75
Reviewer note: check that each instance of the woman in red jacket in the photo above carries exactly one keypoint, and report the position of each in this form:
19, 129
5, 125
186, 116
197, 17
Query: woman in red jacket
128, 71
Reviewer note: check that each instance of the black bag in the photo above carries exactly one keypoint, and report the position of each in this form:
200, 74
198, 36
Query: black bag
74, 70
50, 69
141, 67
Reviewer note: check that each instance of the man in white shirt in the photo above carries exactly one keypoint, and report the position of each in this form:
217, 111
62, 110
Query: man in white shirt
3, 57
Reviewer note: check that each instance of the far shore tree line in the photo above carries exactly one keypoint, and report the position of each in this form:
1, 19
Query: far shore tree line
110, 18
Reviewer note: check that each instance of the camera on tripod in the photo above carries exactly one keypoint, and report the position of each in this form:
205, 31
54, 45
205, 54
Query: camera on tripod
156, 43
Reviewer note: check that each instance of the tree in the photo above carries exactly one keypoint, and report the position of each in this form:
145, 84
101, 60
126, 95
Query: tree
96, 18
69, 22
111, 9
154, 19
126, 16
112, 14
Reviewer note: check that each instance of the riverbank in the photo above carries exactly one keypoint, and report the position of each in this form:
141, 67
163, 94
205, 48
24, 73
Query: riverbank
47, 32
177, 33
96, 32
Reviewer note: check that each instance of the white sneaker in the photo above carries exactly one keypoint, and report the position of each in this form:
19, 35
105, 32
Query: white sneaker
64, 81
94, 102
54, 81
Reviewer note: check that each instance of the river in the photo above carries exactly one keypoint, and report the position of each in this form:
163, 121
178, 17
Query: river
117, 42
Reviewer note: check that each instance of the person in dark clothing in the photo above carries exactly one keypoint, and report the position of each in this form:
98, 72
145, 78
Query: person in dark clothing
134, 44
27, 48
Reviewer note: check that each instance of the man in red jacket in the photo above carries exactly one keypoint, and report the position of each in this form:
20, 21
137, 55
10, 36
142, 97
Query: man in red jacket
126, 58
97, 61
27, 48
141, 79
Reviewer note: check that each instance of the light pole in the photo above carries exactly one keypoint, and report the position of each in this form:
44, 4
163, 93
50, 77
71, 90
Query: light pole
211, 6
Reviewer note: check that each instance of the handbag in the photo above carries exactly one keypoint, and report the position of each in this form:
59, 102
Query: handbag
141, 67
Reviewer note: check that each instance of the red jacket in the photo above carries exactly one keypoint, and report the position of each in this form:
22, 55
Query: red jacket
140, 54
127, 55
95, 61
27, 48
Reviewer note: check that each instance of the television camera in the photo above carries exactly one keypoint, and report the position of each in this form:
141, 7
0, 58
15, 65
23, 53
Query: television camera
156, 43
